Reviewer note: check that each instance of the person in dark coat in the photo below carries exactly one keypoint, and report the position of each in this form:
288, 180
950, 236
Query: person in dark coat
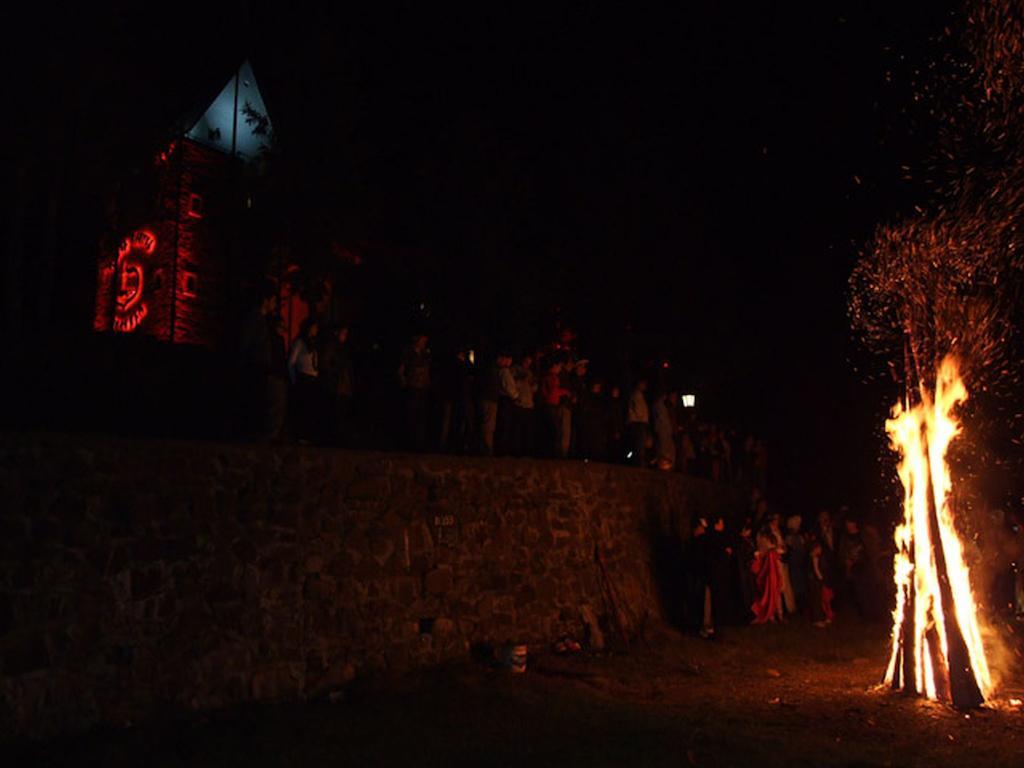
263, 370
455, 389
464, 416
796, 550
555, 398
524, 409
593, 423
337, 382
275, 379
819, 588
745, 547
508, 391
488, 397
303, 372
637, 425
414, 378
616, 425
720, 572
699, 561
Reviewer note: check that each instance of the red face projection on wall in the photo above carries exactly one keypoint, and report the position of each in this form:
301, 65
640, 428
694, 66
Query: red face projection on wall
131, 280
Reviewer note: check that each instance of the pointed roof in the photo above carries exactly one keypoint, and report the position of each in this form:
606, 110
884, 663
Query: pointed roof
237, 121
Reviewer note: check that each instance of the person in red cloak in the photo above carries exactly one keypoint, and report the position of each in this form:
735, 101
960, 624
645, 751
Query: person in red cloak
768, 578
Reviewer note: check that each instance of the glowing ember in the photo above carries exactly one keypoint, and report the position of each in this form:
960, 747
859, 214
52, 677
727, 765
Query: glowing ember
936, 643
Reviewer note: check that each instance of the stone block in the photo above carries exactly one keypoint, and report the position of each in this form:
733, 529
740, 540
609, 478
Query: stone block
505, 604
6, 614
496, 581
334, 677
145, 582
23, 576
485, 608
244, 550
25, 653
372, 488
13, 528
284, 513
343, 564
595, 637
502, 537
444, 627
569, 527
420, 540
174, 549
219, 592
367, 568
381, 548
47, 529
525, 595
408, 590
273, 683
504, 624
320, 589
439, 581
98, 555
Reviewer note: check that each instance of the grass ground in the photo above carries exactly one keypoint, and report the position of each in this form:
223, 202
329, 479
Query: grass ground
788, 695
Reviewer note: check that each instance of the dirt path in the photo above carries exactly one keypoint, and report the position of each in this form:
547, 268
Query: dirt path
788, 696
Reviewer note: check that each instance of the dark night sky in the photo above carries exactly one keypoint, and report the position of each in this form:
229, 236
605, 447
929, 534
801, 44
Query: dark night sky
689, 173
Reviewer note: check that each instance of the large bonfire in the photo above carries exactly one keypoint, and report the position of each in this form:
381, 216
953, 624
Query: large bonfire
936, 641
937, 294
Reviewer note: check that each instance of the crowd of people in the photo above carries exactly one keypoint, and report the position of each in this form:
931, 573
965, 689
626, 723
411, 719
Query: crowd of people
769, 569
547, 403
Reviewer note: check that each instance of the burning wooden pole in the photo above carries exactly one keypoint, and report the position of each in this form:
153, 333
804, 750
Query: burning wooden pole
904, 674
964, 691
903, 669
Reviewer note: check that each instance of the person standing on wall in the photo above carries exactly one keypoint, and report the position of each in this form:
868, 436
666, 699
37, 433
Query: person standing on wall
303, 371
665, 430
490, 393
637, 423
523, 410
508, 391
414, 378
616, 425
555, 396
592, 423
572, 379
464, 416
263, 370
336, 379
276, 374
699, 561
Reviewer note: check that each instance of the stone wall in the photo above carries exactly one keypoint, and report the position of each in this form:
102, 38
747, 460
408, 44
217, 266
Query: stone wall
144, 576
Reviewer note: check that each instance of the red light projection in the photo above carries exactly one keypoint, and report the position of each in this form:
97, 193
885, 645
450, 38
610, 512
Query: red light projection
169, 278
164, 157
131, 310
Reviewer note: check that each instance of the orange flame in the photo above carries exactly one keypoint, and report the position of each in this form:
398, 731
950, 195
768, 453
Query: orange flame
921, 435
